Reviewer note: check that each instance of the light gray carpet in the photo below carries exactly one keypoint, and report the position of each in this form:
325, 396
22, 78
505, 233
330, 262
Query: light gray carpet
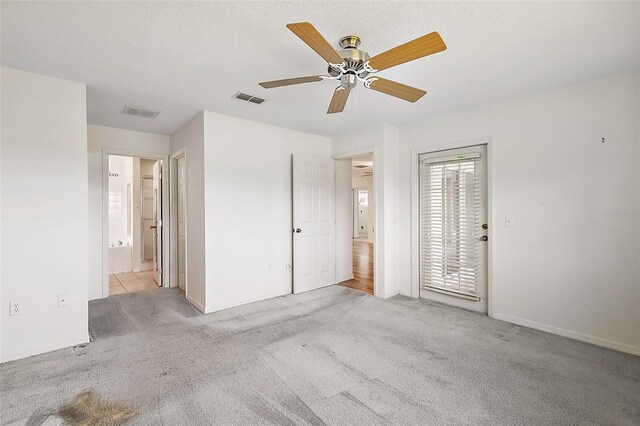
331, 356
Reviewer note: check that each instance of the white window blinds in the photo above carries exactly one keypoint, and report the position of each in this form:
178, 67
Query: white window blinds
449, 224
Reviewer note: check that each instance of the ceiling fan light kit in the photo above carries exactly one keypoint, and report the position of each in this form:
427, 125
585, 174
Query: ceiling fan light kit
352, 65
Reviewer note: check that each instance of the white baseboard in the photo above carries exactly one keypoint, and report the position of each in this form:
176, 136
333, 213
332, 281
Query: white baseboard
196, 304
622, 347
344, 278
246, 301
39, 348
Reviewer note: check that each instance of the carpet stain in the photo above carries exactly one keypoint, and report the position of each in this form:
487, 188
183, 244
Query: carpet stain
87, 409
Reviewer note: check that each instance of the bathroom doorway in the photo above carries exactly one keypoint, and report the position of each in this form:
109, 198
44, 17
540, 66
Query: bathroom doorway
135, 237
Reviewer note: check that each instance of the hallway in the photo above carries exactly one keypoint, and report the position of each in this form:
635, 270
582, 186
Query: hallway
131, 282
362, 267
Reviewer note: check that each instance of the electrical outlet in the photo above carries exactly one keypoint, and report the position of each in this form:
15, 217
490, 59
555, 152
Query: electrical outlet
63, 300
508, 221
16, 308
268, 267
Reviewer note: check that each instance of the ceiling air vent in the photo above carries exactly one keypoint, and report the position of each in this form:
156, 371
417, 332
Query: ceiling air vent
139, 111
252, 99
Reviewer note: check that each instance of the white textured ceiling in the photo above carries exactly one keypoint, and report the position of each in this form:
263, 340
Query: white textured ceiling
185, 57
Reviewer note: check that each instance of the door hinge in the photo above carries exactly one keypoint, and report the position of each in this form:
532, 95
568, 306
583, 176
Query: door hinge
159, 223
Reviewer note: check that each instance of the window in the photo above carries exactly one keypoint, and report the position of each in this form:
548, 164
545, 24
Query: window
363, 197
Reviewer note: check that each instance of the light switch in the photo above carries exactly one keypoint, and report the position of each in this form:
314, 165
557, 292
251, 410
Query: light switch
508, 221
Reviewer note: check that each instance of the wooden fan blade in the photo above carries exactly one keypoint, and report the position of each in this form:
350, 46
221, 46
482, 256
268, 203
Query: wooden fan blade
338, 100
410, 51
396, 89
290, 81
314, 40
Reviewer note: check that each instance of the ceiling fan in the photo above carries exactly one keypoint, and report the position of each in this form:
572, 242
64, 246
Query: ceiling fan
350, 65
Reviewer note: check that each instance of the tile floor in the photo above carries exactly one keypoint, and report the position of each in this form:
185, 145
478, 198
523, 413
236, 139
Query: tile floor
130, 282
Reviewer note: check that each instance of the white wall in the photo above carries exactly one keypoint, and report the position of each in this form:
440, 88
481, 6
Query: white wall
119, 213
100, 138
391, 138
44, 213
191, 137
567, 265
384, 140
249, 207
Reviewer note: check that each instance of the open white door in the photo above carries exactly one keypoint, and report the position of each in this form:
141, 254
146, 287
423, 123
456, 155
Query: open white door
157, 220
313, 223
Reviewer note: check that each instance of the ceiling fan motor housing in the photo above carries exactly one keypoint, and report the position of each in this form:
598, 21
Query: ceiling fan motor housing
354, 60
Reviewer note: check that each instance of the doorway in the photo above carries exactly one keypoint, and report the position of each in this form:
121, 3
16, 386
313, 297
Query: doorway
324, 248
453, 227
134, 223
363, 224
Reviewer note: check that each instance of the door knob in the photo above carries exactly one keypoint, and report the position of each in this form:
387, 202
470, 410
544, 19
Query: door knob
297, 230
484, 238
153, 227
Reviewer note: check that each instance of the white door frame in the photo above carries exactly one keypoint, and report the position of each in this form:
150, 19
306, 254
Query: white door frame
173, 224
378, 250
415, 214
106, 152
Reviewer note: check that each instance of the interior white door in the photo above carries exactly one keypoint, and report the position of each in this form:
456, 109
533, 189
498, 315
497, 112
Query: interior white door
313, 223
182, 275
453, 227
157, 219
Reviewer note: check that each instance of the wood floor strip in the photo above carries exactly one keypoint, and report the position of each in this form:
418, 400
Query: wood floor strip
362, 267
